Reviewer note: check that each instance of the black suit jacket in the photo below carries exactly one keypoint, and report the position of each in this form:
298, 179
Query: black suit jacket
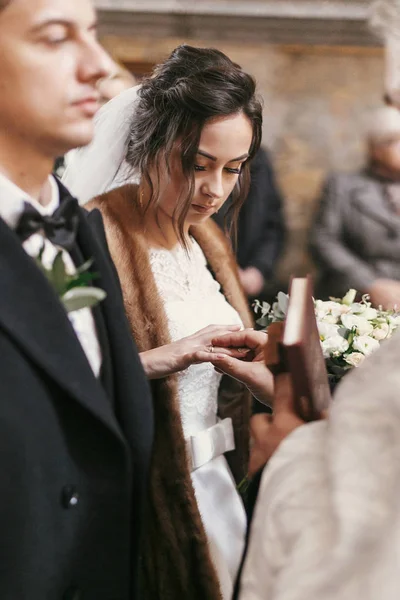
74, 453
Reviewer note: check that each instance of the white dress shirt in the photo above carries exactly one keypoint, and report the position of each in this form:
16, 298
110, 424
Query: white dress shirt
12, 200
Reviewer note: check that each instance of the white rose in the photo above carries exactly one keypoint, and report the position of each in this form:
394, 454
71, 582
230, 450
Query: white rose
335, 345
331, 308
362, 326
330, 305
365, 310
337, 309
344, 308
354, 359
320, 310
349, 321
357, 308
381, 332
365, 344
330, 319
370, 313
327, 330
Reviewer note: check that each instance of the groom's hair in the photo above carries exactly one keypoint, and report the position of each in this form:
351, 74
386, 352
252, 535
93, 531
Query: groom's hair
192, 87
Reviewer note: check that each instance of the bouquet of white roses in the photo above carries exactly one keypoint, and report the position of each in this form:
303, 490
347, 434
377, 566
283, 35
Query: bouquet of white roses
349, 331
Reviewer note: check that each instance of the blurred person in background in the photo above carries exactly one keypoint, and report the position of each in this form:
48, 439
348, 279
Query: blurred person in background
261, 229
355, 239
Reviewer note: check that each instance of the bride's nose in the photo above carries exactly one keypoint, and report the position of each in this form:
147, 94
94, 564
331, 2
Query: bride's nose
213, 186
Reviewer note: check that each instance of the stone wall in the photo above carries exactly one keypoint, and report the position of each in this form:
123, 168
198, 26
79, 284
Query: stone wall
317, 101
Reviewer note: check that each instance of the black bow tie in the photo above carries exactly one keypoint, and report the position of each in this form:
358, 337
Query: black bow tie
59, 228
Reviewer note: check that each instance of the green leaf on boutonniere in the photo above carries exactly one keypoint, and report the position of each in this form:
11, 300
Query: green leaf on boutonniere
81, 280
58, 274
74, 290
82, 297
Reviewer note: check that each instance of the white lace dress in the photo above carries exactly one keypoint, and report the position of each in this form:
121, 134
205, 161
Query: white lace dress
193, 300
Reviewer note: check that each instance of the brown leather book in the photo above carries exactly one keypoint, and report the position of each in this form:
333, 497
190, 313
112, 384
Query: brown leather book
294, 346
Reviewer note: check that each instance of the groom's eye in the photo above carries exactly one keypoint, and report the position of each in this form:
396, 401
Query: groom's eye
55, 34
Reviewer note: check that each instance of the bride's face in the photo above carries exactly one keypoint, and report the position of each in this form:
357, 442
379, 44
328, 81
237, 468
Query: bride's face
224, 147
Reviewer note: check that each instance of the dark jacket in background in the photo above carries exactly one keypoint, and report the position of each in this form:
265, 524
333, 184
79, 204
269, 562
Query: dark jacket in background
261, 229
356, 235
74, 449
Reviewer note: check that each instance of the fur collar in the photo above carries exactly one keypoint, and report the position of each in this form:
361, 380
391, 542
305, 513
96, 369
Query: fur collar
176, 558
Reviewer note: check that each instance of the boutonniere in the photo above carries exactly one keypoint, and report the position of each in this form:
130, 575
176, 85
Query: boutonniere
74, 290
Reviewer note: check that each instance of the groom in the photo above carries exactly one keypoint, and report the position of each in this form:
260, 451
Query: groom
75, 407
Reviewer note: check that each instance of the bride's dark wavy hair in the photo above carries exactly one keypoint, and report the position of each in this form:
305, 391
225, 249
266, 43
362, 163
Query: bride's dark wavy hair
192, 87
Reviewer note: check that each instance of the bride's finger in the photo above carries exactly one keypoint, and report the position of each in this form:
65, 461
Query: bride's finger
244, 338
235, 352
210, 353
218, 329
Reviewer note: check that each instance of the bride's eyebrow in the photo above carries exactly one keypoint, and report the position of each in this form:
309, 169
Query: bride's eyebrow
214, 158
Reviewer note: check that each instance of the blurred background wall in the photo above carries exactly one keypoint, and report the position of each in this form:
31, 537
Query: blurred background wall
318, 67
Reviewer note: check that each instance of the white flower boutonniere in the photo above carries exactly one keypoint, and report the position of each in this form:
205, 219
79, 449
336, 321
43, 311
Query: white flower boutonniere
74, 290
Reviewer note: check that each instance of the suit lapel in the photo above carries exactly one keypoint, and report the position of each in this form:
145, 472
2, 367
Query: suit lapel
106, 372
32, 315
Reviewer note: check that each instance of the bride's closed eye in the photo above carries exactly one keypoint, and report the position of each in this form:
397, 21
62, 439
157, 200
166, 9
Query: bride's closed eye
227, 169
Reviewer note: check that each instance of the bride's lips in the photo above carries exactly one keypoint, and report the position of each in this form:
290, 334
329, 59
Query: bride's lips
204, 210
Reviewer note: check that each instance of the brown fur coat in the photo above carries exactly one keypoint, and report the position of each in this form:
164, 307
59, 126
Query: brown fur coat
176, 559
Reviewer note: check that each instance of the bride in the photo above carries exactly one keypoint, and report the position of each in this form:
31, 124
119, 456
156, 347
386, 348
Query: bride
189, 132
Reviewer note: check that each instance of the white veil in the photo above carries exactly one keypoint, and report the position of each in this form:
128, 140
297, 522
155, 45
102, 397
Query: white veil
101, 166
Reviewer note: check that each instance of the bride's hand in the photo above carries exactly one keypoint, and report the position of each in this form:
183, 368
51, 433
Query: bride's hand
197, 348
250, 369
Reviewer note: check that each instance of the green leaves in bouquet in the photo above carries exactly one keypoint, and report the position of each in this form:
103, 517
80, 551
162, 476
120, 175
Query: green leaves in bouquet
270, 314
336, 368
264, 310
349, 330
74, 290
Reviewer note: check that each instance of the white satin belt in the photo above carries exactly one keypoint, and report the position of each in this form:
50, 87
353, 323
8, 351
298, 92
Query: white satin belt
210, 443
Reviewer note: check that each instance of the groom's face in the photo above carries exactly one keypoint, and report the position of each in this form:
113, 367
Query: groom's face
50, 62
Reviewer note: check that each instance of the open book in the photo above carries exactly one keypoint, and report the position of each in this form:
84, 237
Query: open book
294, 346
